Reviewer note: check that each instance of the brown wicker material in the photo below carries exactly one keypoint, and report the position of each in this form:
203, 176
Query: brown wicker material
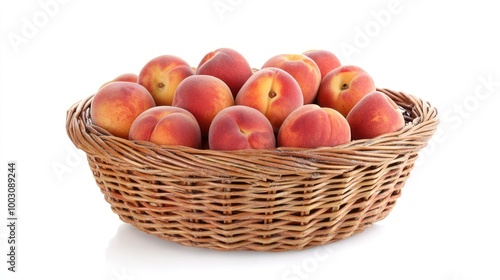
263, 200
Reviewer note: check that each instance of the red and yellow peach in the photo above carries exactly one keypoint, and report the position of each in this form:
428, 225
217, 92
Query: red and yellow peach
166, 125
326, 60
228, 65
116, 105
273, 92
343, 87
303, 69
375, 114
204, 96
161, 76
125, 77
241, 127
312, 126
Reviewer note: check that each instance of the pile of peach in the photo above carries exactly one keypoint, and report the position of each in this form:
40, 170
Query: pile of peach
305, 100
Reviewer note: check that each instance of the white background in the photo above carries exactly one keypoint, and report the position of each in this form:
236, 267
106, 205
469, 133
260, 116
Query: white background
444, 227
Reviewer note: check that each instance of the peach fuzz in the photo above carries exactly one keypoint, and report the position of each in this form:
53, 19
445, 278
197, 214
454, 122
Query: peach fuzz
343, 87
326, 60
228, 65
273, 92
116, 105
312, 126
166, 125
203, 96
161, 76
240, 127
303, 69
374, 115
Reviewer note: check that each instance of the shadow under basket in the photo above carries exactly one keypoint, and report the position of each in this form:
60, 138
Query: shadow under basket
261, 200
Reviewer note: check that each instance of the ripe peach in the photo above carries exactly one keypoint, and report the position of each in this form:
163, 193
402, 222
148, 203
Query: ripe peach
117, 104
303, 69
343, 87
241, 127
228, 65
326, 60
374, 115
204, 96
273, 92
167, 125
161, 76
125, 77
312, 126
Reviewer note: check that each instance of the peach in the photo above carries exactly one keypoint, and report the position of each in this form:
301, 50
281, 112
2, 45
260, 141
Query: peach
161, 76
241, 127
326, 60
203, 96
228, 65
343, 87
374, 115
312, 126
166, 125
116, 105
303, 69
273, 92
125, 77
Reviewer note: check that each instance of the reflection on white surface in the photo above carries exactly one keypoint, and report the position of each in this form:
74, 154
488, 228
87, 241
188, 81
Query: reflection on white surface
139, 254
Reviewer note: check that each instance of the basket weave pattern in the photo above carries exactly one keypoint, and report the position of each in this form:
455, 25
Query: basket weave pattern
263, 200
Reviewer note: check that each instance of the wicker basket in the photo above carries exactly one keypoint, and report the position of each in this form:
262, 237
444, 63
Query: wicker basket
262, 200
